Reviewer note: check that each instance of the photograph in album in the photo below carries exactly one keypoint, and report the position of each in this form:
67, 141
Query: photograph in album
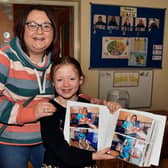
131, 138
84, 127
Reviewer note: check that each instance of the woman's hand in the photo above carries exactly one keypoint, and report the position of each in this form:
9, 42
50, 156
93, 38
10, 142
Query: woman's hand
43, 109
102, 155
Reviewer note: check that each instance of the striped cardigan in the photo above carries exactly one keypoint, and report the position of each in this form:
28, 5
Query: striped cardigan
21, 82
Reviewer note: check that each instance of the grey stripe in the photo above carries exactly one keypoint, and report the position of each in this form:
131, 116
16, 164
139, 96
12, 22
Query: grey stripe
21, 136
3, 69
3, 106
20, 83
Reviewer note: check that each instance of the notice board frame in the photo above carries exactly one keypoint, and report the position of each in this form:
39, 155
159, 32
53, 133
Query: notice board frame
99, 35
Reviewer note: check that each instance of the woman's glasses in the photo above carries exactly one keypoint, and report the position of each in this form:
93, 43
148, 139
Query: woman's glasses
33, 26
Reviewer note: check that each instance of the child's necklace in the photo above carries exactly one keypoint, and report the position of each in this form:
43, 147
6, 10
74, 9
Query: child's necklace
61, 102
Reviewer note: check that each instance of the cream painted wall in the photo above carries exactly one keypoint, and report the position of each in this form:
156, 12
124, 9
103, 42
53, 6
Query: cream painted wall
160, 82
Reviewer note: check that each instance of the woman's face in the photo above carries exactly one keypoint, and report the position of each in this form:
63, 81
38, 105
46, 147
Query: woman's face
37, 41
67, 81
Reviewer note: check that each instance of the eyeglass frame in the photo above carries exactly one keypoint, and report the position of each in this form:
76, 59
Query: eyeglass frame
39, 25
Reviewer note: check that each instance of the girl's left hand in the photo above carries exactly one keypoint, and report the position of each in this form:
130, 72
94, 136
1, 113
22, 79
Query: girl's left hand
112, 106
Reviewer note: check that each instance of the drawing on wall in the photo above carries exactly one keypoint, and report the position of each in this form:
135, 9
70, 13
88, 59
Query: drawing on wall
134, 49
115, 47
128, 11
138, 51
126, 79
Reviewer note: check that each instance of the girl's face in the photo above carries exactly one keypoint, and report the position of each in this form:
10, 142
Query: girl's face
37, 41
67, 81
134, 118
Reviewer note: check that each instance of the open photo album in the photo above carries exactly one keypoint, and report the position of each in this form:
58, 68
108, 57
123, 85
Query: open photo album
133, 136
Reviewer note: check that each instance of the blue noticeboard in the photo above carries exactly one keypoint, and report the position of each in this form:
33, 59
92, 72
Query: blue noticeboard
126, 37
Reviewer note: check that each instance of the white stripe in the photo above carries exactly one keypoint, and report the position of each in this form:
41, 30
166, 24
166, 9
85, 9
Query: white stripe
41, 86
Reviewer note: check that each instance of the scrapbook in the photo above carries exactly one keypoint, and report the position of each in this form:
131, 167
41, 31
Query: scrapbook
133, 136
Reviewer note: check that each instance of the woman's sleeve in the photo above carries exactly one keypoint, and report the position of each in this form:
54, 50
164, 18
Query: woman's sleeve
53, 138
11, 112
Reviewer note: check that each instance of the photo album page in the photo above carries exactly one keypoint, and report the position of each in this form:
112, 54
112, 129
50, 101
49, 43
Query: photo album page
133, 136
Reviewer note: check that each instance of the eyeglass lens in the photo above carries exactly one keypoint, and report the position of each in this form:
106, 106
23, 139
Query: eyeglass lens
33, 26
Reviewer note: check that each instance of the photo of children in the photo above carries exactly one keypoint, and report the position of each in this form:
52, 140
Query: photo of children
127, 23
100, 22
84, 138
140, 24
153, 24
113, 22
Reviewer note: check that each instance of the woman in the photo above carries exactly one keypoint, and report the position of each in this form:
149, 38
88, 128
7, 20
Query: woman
25, 88
131, 126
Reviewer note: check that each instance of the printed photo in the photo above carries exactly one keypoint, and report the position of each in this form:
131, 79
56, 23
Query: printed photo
140, 24
99, 22
128, 149
84, 138
115, 47
133, 125
153, 24
86, 117
113, 22
127, 23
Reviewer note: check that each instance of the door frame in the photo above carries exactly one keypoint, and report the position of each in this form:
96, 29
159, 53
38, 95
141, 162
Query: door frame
75, 6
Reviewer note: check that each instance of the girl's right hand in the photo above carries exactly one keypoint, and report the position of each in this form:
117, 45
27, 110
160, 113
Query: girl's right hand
102, 155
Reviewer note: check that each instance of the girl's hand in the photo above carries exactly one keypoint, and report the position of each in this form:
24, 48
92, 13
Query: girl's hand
95, 101
112, 106
43, 109
102, 155
91, 99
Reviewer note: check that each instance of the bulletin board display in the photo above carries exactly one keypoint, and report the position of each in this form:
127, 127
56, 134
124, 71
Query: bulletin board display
126, 37
135, 86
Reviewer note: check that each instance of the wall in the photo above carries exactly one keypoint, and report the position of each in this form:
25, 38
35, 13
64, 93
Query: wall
160, 81
7, 23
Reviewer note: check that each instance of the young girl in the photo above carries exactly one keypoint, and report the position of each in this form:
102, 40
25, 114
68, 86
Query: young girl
67, 77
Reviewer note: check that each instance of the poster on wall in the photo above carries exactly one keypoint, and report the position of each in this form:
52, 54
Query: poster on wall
126, 37
133, 49
125, 79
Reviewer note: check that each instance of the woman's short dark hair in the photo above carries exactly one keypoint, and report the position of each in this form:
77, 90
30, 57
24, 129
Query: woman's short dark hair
19, 29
